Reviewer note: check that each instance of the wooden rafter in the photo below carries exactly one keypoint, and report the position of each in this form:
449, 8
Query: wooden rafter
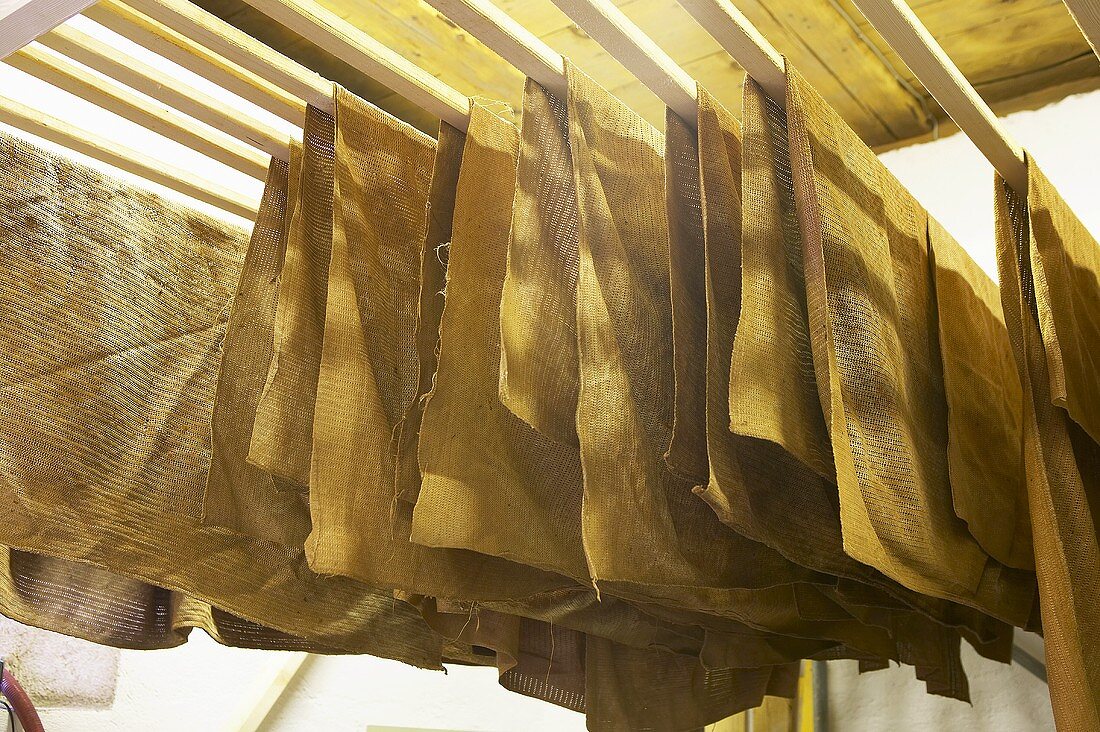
21, 21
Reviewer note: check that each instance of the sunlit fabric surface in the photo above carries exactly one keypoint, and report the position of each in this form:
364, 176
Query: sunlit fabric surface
106, 432
879, 371
641, 418
282, 438
1049, 268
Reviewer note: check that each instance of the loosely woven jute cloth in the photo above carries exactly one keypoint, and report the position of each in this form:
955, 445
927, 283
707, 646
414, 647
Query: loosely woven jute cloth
369, 375
282, 438
241, 497
1049, 268
680, 552
490, 482
756, 486
879, 371
772, 479
106, 443
984, 404
538, 306
640, 419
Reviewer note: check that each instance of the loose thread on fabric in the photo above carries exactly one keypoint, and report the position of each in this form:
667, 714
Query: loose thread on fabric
550, 661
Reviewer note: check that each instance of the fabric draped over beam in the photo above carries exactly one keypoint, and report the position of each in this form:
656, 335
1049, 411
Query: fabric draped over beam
641, 419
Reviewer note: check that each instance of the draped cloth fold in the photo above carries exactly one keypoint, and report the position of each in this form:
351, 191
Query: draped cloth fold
876, 355
106, 443
241, 497
680, 552
490, 482
1049, 270
538, 305
369, 374
282, 436
984, 405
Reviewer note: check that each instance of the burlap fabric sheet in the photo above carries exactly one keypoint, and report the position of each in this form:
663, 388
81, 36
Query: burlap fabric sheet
679, 551
539, 179
756, 486
456, 411
1049, 268
879, 373
241, 497
773, 609
369, 375
490, 483
771, 471
106, 431
682, 556
433, 281
282, 439
984, 405
538, 307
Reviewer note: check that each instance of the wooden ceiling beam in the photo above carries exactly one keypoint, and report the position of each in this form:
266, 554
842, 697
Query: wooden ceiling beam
60, 132
21, 21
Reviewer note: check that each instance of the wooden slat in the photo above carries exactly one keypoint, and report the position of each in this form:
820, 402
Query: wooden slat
360, 50
1019, 53
664, 22
257, 705
901, 28
182, 50
21, 21
636, 51
739, 37
240, 48
74, 79
135, 74
60, 132
994, 40
508, 39
1087, 15
717, 72
541, 18
426, 36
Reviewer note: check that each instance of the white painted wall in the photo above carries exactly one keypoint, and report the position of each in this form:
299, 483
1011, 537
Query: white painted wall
955, 183
201, 685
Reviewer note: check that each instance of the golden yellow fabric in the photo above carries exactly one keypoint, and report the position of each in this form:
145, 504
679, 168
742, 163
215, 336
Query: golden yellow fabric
984, 405
780, 403
687, 449
640, 419
756, 486
538, 305
682, 557
239, 496
1048, 271
122, 407
433, 280
679, 551
1065, 262
868, 285
762, 420
769, 479
282, 437
490, 483
369, 374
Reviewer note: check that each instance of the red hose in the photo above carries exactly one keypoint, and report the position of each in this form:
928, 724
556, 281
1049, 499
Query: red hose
20, 703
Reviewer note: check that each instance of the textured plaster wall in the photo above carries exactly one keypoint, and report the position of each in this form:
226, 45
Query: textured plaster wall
202, 685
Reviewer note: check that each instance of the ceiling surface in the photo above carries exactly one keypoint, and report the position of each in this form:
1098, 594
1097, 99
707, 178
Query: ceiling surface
1019, 54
